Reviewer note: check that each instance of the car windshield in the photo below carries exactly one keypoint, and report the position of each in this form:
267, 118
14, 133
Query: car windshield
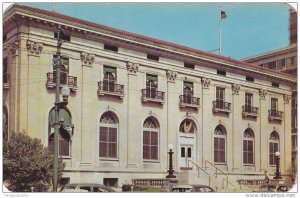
68, 188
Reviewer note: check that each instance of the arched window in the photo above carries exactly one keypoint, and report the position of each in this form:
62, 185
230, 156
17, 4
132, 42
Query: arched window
5, 123
150, 139
220, 144
273, 147
187, 126
65, 132
248, 147
108, 136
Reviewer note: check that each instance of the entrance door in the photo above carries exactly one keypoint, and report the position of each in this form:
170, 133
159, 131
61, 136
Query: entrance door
186, 154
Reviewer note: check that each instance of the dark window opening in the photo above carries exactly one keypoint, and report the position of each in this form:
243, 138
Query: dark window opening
272, 65
220, 72
249, 79
188, 65
152, 57
64, 36
111, 48
275, 84
111, 182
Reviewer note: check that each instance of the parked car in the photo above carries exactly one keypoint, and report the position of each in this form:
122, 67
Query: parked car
203, 188
86, 187
192, 188
273, 188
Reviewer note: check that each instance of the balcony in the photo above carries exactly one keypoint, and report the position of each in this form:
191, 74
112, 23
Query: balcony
189, 101
219, 106
111, 89
71, 81
275, 115
6, 81
153, 96
249, 111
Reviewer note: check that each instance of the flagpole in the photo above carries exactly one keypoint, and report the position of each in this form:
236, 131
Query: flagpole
220, 44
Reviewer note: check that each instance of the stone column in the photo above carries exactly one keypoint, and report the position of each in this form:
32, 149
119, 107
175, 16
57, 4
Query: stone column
286, 155
263, 149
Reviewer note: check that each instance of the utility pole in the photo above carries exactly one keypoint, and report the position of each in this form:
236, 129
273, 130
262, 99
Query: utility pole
57, 64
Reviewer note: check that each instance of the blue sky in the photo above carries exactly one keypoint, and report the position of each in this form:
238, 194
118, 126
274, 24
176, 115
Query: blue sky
249, 29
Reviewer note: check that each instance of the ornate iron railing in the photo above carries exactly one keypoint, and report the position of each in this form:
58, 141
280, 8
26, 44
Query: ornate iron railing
189, 101
221, 106
153, 95
275, 115
110, 88
71, 81
249, 110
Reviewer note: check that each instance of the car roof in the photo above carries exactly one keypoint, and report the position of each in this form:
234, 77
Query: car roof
183, 186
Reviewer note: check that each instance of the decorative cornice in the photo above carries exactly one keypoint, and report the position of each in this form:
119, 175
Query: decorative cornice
34, 48
262, 94
132, 68
14, 47
171, 76
87, 59
205, 82
236, 89
287, 99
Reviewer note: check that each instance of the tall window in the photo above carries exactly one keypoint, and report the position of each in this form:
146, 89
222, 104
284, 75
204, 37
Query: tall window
65, 132
248, 102
108, 138
150, 139
64, 70
220, 97
273, 147
151, 86
187, 92
5, 123
220, 144
109, 79
248, 147
274, 106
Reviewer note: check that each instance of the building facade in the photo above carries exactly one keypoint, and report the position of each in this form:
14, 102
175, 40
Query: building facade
132, 96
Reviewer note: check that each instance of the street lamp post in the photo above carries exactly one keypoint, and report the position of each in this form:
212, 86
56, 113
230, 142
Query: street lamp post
170, 171
65, 91
277, 173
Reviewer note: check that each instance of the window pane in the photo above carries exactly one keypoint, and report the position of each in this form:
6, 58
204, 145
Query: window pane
112, 150
103, 149
146, 152
154, 138
103, 134
112, 135
245, 145
216, 143
250, 146
245, 157
182, 152
154, 152
189, 152
146, 138
63, 147
216, 156
222, 156
222, 143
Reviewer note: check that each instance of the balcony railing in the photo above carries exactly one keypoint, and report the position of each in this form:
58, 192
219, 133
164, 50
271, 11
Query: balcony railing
189, 101
248, 110
6, 81
219, 106
275, 115
109, 88
153, 96
71, 81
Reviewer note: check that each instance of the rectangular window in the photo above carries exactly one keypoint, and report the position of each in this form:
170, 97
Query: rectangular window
110, 78
248, 152
150, 145
250, 79
220, 97
219, 150
151, 85
188, 92
64, 36
189, 154
188, 65
248, 102
221, 72
272, 65
111, 47
108, 142
275, 84
152, 57
274, 106
273, 147
182, 152
281, 64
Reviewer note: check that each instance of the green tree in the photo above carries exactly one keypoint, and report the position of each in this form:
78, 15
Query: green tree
27, 163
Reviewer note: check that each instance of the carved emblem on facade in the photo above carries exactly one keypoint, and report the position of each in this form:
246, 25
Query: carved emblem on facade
286, 99
236, 89
171, 76
87, 59
34, 48
132, 67
262, 93
205, 82
14, 48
